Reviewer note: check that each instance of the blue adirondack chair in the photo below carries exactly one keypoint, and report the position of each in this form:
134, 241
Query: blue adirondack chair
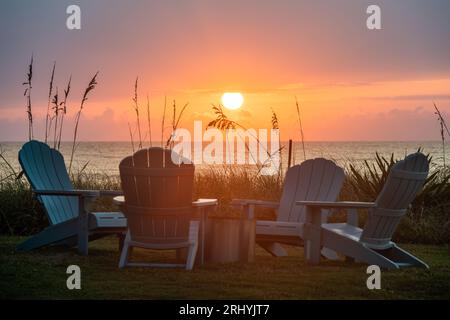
67, 209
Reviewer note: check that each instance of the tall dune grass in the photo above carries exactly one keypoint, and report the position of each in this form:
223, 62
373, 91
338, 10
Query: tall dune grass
136, 110
427, 221
302, 136
58, 107
27, 94
48, 118
444, 131
89, 88
63, 112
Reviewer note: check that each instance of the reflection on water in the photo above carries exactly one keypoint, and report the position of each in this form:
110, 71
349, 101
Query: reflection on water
104, 157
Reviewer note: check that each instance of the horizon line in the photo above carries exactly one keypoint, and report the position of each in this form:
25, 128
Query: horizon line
282, 141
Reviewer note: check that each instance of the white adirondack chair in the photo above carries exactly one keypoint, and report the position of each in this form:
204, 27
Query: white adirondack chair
158, 205
316, 179
372, 244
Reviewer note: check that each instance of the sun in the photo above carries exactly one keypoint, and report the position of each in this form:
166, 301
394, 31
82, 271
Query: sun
232, 100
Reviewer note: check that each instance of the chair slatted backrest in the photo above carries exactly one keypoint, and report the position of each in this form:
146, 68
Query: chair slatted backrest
157, 187
315, 180
45, 169
404, 182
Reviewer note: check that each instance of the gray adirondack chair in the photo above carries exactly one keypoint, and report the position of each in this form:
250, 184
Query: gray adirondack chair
372, 244
67, 209
158, 204
314, 179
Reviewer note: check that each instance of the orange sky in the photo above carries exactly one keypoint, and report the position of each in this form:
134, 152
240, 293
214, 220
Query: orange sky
352, 83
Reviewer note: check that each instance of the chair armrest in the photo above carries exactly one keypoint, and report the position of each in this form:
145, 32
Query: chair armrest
110, 193
78, 193
120, 200
337, 205
257, 203
349, 206
205, 203
69, 193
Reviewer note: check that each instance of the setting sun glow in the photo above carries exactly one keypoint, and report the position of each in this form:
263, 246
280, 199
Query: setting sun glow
232, 100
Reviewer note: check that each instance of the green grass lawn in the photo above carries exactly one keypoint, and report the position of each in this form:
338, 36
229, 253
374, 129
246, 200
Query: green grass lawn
42, 275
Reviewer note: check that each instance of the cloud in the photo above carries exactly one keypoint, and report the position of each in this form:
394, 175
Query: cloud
427, 97
107, 126
394, 125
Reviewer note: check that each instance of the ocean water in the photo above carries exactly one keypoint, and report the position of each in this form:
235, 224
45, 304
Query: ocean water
104, 157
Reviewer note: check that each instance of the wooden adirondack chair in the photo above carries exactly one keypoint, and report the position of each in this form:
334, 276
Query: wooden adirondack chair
315, 179
67, 209
372, 244
158, 204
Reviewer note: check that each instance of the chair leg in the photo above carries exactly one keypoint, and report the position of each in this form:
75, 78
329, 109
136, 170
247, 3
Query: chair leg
356, 250
192, 252
83, 242
313, 239
39, 240
312, 252
83, 227
402, 256
70, 242
50, 235
121, 239
193, 239
124, 255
